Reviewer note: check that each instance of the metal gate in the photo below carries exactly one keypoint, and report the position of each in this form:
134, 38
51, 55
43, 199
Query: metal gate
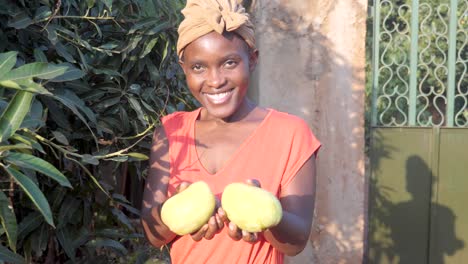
418, 197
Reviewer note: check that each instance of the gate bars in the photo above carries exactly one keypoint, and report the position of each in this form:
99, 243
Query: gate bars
420, 63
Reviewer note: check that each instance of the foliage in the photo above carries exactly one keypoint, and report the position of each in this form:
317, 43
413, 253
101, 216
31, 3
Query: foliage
84, 84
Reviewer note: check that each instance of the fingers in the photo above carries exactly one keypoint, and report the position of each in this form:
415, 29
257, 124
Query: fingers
198, 235
249, 237
254, 182
210, 229
219, 222
182, 186
213, 227
234, 232
222, 214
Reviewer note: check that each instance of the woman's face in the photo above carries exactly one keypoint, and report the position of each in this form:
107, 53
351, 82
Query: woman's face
217, 69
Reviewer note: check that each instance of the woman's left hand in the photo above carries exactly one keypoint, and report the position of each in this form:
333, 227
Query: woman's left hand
233, 230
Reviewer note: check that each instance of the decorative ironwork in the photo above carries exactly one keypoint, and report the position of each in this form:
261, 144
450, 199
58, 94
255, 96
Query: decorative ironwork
420, 63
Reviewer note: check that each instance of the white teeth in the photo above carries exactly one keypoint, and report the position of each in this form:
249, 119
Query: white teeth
219, 97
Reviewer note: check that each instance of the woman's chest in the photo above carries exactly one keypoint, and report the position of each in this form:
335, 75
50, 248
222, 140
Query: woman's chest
217, 147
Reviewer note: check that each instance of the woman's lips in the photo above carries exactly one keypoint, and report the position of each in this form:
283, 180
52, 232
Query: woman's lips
219, 98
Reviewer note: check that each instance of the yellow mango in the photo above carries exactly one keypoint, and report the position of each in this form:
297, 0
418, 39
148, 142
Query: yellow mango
189, 210
251, 208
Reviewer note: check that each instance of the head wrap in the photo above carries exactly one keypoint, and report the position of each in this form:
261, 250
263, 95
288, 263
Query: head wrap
205, 16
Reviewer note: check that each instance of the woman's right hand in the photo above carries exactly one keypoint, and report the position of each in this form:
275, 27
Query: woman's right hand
214, 225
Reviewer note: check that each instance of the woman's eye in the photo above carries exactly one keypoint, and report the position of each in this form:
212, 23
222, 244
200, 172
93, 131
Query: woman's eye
197, 68
230, 63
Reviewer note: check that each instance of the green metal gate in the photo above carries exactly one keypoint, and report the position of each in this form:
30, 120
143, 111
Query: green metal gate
418, 197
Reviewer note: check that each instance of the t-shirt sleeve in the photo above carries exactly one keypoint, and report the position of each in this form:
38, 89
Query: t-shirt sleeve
303, 145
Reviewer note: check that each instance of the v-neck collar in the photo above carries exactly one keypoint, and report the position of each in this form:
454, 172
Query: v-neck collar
231, 159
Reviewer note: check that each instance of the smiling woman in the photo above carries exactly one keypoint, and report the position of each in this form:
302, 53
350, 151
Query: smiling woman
228, 139
217, 68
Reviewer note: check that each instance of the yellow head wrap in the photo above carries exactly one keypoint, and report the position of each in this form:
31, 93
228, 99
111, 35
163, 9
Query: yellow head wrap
205, 16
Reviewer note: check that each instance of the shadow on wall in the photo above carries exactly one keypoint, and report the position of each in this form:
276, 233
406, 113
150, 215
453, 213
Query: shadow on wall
400, 228
333, 108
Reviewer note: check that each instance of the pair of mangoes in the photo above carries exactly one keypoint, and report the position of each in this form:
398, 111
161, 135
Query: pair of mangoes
251, 208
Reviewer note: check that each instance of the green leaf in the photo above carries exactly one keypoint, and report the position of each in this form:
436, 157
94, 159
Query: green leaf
109, 46
122, 218
118, 159
71, 73
67, 210
106, 103
27, 85
64, 238
158, 28
8, 220
13, 116
52, 34
34, 119
149, 47
10, 257
114, 233
34, 193
28, 140
62, 51
60, 137
130, 208
42, 12
137, 107
39, 70
20, 21
39, 239
39, 55
7, 61
56, 113
108, 243
144, 23
90, 159
31, 162
70, 100
108, 3
29, 224
14, 147
138, 156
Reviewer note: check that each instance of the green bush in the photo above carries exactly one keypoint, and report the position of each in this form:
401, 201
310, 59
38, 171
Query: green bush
82, 86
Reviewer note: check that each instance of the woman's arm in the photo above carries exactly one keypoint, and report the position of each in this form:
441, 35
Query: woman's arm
290, 236
155, 192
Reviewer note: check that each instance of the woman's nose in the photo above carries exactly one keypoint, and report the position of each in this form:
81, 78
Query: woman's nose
216, 78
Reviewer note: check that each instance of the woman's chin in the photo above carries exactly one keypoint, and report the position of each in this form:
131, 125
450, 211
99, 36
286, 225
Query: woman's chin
224, 112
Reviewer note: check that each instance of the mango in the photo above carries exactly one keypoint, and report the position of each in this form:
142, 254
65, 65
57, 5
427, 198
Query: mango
251, 208
189, 210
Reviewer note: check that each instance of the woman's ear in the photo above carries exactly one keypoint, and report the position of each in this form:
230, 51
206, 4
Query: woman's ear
181, 63
253, 59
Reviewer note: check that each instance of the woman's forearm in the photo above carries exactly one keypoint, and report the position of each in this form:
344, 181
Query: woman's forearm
157, 233
290, 236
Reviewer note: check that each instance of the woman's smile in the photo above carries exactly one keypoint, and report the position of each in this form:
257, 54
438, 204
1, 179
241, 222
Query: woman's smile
220, 97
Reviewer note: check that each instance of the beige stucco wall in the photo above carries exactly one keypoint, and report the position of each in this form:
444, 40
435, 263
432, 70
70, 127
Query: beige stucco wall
312, 64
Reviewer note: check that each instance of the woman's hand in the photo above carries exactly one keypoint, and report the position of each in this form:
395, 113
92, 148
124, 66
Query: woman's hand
234, 231
214, 225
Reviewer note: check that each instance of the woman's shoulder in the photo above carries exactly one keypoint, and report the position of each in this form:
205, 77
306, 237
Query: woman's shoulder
287, 120
179, 116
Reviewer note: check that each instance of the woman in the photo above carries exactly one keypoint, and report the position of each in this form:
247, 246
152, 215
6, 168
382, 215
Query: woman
228, 139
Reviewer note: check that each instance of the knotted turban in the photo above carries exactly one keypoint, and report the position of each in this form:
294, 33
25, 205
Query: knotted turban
205, 16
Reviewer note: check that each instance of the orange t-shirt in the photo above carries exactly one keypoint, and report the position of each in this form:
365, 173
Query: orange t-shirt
273, 154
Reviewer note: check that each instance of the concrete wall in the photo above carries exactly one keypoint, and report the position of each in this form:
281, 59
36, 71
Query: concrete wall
312, 64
